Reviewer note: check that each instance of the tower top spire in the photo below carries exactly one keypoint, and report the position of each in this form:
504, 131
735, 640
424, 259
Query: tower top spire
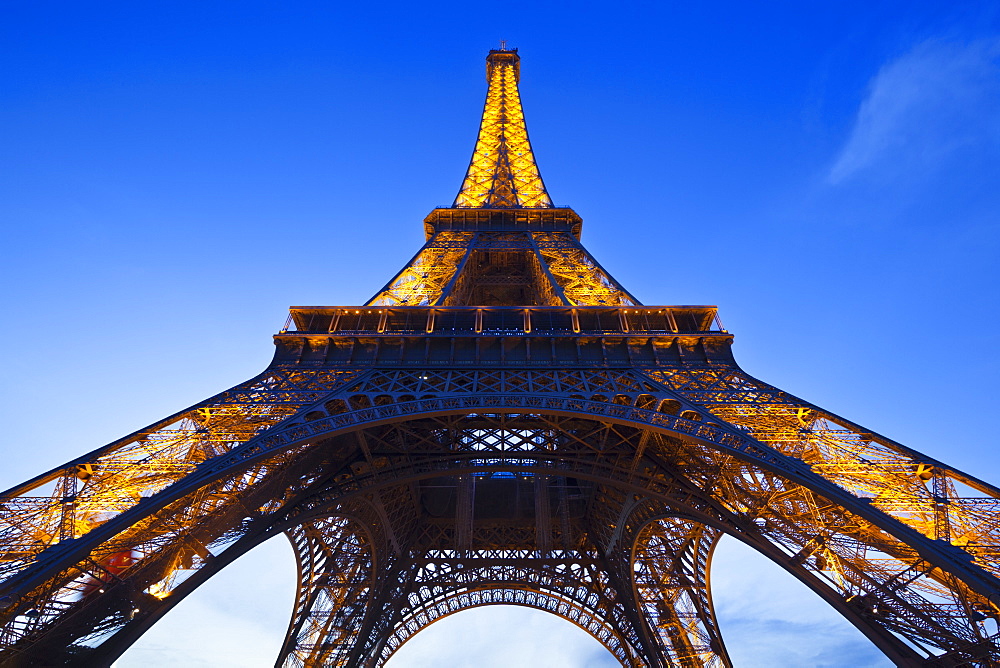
502, 173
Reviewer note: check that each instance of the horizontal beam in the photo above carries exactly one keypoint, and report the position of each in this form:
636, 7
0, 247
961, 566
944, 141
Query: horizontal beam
489, 350
562, 219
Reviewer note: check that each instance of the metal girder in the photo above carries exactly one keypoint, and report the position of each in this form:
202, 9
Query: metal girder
457, 268
580, 278
424, 279
85, 493
940, 502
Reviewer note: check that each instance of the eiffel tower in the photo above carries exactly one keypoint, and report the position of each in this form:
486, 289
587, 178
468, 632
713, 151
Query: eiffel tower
501, 423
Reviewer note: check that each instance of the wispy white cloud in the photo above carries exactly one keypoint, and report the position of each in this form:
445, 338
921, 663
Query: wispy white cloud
923, 107
768, 618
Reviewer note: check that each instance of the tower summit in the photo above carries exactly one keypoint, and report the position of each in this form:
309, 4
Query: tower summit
503, 243
503, 173
501, 423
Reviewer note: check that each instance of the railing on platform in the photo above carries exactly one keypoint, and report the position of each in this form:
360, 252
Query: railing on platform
503, 320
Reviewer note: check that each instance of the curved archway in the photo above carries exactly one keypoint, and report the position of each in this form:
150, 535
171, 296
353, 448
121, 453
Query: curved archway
575, 613
498, 636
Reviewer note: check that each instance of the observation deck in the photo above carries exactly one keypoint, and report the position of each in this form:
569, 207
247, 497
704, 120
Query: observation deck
556, 219
491, 335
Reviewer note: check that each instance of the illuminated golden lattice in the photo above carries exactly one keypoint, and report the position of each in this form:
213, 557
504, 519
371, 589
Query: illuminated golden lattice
583, 281
503, 173
422, 281
935, 500
69, 502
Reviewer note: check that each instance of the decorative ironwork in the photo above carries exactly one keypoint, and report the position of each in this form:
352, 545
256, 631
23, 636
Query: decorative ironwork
502, 423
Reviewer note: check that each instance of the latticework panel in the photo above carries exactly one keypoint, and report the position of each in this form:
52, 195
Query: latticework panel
503, 268
88, 492
604, 382
935, 500
126, 570
423, 280
581, 279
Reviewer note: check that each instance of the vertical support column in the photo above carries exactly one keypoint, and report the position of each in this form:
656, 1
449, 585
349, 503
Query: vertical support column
942, 525
464, 511
337, 570
609, 512
67, 511
543, 515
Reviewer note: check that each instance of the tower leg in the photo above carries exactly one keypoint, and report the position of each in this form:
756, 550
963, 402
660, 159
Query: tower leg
671, 560
336, 566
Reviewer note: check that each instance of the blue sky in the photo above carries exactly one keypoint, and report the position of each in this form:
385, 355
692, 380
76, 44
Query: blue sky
174, 176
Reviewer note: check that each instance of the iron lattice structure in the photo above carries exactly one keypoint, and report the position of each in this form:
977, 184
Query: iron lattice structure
502, 423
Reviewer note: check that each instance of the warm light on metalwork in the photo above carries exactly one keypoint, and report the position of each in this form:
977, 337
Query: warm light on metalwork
503, 173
